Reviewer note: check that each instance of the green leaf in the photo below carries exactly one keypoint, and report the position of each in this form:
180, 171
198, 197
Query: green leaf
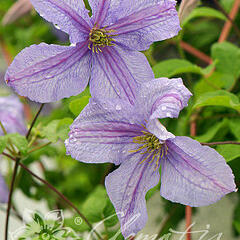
110, 216
204, 12
236, 224
172, 67
210, 84
50, 130
152, 191
228, 58
218, 98
3, 143
211, 132
94, 206
229, 152
77, 105
19, 141
63, 128
234, 125
227, 4
57, 129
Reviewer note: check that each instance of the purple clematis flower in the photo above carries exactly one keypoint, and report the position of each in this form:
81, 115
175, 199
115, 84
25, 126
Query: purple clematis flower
103, 49
3, 191
133, 137
11, 116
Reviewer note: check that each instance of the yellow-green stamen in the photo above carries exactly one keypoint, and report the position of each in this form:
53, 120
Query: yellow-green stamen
100, 38
151, 146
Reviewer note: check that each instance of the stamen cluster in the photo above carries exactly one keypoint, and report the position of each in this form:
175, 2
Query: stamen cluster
151, 146
100, 38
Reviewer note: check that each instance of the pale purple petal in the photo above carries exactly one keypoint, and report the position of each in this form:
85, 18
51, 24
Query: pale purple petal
155, 127
100, 10
193, 174
140, 23
69, 15
47, 73
3, 191
127, 187
117, 72
163, 97
103, 132
11, 115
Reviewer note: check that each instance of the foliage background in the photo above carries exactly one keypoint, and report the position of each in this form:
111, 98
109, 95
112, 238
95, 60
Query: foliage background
212, 115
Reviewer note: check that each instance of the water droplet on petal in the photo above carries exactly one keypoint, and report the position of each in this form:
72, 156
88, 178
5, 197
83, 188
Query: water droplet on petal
169, 115
56, 26
72, 140
164, 108
118, 107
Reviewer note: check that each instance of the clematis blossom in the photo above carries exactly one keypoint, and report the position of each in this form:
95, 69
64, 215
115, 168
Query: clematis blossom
134, 138
11, 117
3, 191
104, 49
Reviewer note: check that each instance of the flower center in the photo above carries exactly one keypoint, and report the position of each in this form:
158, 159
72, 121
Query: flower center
100, 38
150, 146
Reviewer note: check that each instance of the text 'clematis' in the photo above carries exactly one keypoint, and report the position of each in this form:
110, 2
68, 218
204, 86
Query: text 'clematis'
11, 117
133, 137
103, 49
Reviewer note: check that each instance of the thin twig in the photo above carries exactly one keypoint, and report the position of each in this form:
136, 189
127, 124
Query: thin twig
17, 162
10, 196
39, 147
7, 56
56, 191
3, 128
227, 16
195, 52
220, 143
34, 121
14, 213
188, 213
188, 209
166, 220
229, 24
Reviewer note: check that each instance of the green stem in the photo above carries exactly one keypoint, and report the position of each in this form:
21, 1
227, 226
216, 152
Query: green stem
17, 163
50, 186
10, 196
34, 121
39, 147
220, 143
3, 128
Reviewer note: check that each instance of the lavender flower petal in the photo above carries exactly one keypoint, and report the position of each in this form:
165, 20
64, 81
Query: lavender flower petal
69, 15
163, 97
103, 134
127, 187
117, 72
46, 73
3, 191
138, 24
11, 115
100, 10
193, 174
157, 129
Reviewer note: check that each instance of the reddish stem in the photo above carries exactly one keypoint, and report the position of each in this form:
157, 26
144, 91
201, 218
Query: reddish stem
228, 25
188, 213
188, 209
195, 52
